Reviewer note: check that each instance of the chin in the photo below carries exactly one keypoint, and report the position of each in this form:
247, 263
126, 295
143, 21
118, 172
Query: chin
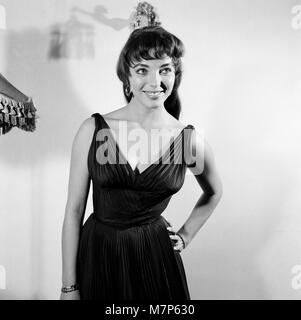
156, 104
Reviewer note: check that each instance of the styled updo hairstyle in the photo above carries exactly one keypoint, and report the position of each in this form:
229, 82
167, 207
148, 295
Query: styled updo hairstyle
152, 42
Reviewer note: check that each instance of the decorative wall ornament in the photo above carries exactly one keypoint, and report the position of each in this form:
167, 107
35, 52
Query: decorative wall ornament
144, 15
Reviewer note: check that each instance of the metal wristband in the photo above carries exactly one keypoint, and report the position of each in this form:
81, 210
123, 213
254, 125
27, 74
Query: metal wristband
184, 244
74, 287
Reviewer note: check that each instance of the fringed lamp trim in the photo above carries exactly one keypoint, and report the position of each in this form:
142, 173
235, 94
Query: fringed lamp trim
17, 114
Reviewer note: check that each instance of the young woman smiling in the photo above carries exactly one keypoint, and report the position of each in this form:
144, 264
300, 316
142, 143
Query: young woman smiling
126, 249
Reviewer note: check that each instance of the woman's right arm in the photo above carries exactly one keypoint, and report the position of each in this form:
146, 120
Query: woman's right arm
78, 190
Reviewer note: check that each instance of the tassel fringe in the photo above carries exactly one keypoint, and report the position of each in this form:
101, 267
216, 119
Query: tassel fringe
16, 114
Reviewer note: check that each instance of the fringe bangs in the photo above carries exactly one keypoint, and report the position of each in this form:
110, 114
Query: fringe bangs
152, 43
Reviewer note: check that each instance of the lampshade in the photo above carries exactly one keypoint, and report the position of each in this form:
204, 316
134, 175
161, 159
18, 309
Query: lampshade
16, 109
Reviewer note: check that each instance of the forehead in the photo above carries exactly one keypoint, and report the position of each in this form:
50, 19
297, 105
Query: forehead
153, 62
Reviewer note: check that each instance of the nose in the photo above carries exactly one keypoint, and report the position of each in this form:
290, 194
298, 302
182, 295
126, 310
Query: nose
154, 79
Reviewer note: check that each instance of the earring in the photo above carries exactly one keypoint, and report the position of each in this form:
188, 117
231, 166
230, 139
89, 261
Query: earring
128, 90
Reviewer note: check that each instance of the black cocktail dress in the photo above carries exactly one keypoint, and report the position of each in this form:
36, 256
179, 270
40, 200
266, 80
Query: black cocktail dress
125, 252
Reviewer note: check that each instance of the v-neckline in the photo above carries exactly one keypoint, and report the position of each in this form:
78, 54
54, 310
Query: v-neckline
136, 171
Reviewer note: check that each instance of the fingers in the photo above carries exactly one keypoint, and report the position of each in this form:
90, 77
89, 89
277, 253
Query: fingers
171, 230
179, 246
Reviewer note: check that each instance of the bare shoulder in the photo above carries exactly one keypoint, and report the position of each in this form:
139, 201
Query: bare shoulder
118, 114
177, 124
88, 124
85, 132
114, 117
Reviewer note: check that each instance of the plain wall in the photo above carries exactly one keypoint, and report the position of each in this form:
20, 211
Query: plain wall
241, 85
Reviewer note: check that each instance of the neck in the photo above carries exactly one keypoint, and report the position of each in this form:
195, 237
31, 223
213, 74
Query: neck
147, 117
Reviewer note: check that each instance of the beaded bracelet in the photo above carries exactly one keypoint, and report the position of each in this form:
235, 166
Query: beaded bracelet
184, 244
74, 287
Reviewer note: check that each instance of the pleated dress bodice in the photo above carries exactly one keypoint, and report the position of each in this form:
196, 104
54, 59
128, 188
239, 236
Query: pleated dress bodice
127, 197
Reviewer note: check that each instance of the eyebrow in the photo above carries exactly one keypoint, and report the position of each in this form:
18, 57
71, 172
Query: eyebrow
146, 66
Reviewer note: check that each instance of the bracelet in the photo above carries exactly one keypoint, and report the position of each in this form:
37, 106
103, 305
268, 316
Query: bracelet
184, 244
74, 287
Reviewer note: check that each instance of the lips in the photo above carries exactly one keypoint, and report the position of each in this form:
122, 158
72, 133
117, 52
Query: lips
153, 94
153, 91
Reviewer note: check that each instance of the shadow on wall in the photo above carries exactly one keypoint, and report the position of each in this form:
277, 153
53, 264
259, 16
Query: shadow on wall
74, 39
59, 106
99, 15
60, 111
36, 64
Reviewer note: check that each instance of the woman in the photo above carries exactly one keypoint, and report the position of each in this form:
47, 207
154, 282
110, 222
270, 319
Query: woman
126, 249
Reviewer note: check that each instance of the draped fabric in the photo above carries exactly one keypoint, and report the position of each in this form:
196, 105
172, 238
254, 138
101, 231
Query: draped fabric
125, 252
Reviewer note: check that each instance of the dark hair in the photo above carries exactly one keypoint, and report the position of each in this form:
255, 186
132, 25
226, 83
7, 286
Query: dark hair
152, 43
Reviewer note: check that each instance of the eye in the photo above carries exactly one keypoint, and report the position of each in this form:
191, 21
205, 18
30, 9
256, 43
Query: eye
166, 70
141, 71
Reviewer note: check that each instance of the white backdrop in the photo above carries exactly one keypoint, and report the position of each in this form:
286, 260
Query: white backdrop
241, 85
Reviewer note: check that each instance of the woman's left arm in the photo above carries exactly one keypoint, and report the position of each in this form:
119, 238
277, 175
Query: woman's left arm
207, 176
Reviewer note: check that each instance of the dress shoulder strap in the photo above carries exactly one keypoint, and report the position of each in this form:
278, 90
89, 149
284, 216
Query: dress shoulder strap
98, 124
190, 126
